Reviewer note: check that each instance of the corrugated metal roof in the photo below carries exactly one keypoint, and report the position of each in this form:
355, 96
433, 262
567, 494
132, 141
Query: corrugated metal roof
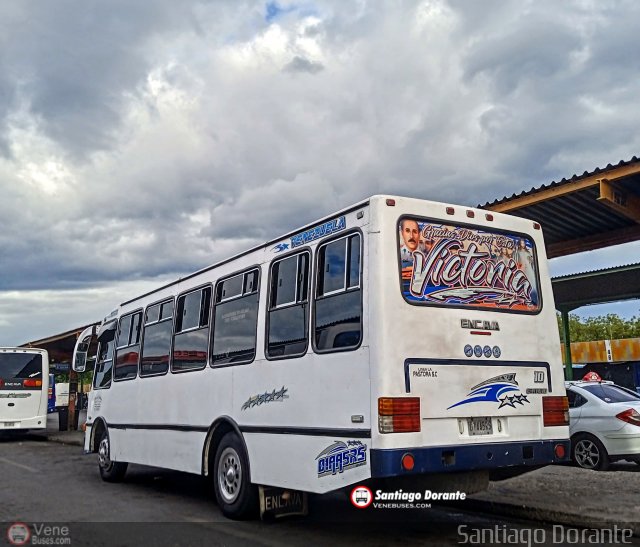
574, 178
596, 287
597, 209
598, 272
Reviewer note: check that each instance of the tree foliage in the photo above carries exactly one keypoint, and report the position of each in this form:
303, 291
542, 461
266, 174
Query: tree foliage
601, 327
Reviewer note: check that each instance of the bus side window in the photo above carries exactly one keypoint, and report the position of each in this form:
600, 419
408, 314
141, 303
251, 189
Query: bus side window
235, 322
104, 365
337, 316
156, 339
288, 319
128, 347
191, 340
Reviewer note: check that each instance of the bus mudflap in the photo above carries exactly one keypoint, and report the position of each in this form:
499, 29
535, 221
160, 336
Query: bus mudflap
282, 502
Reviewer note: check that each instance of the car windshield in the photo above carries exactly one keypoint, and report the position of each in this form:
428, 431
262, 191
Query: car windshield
611, 394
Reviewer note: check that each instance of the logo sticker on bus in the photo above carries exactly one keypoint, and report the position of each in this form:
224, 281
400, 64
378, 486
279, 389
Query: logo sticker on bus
340, 457
322, 230
503, 389
451, 265
266, 397
280, 247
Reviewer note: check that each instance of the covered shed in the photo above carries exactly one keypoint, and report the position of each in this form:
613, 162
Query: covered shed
597, 209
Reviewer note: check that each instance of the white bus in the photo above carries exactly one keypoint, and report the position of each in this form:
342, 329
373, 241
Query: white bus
397, 339
24, 388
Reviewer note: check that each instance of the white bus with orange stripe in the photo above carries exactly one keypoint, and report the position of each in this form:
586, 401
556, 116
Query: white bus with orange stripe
397, 339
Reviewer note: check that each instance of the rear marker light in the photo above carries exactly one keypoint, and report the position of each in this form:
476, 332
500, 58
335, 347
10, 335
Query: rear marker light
559, 451
391, 202
408, 462
488, 217
450, 210
536, 226
631, 416
555, 411
471, 214
399, 414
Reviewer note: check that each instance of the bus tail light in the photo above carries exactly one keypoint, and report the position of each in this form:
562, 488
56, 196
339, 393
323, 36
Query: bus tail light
29, 382
555, 411
399, 414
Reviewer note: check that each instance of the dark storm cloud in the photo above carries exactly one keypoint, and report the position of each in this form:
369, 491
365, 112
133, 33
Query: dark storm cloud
300, 64
74, 62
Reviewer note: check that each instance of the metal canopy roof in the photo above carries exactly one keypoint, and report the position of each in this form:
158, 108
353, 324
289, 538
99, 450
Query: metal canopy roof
60, 346
589, 211
596, 287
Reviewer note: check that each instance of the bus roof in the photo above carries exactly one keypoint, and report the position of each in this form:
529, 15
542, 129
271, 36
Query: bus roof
346, 210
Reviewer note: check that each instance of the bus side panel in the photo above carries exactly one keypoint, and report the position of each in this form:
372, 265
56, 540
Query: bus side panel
313, 433
178, 450
170, 415
305, 463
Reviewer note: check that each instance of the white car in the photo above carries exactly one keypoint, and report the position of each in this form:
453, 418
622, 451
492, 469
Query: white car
604, 423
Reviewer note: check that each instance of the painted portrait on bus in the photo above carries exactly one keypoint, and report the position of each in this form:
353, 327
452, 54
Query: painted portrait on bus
452, 265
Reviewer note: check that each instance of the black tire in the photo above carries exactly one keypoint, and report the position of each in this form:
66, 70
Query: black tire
110, 471
236, 496
589, 453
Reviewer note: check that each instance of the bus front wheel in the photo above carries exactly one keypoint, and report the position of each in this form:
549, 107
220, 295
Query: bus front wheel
236, 496
110, 471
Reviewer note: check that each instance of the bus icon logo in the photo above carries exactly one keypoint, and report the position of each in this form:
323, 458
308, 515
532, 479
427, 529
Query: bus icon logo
18, 534
361, 497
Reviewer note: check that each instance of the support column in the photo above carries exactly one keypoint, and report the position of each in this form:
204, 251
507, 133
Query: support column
568, 365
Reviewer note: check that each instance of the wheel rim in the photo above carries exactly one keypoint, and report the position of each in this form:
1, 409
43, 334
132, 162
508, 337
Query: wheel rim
104, 460
229, 475
587, 454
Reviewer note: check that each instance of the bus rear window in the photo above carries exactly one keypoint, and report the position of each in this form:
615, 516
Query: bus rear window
462, 266
16, 368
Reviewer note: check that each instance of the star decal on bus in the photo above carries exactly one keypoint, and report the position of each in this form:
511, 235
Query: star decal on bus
266, 397
512, 400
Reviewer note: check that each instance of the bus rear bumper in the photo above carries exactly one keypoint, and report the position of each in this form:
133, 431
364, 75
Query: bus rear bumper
439, 459
17, 424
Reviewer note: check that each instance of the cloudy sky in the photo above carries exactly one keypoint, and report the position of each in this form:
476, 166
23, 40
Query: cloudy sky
143, 140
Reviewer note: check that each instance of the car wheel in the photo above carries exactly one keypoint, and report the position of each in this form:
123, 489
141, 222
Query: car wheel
589, 453
110, 471
236, 496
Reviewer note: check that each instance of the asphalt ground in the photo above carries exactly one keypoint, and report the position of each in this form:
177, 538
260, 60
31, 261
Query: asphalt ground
562, 494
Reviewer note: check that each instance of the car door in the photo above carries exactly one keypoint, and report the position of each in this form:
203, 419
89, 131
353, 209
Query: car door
576, 402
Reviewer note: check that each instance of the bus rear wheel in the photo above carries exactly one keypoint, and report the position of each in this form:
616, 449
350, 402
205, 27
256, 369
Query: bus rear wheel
236, 496
110, 471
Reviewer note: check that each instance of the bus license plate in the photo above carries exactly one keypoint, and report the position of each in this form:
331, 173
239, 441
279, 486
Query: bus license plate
480, 426
9, 424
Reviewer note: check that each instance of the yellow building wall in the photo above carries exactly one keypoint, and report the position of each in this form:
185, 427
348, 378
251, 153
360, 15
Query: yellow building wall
627, 349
